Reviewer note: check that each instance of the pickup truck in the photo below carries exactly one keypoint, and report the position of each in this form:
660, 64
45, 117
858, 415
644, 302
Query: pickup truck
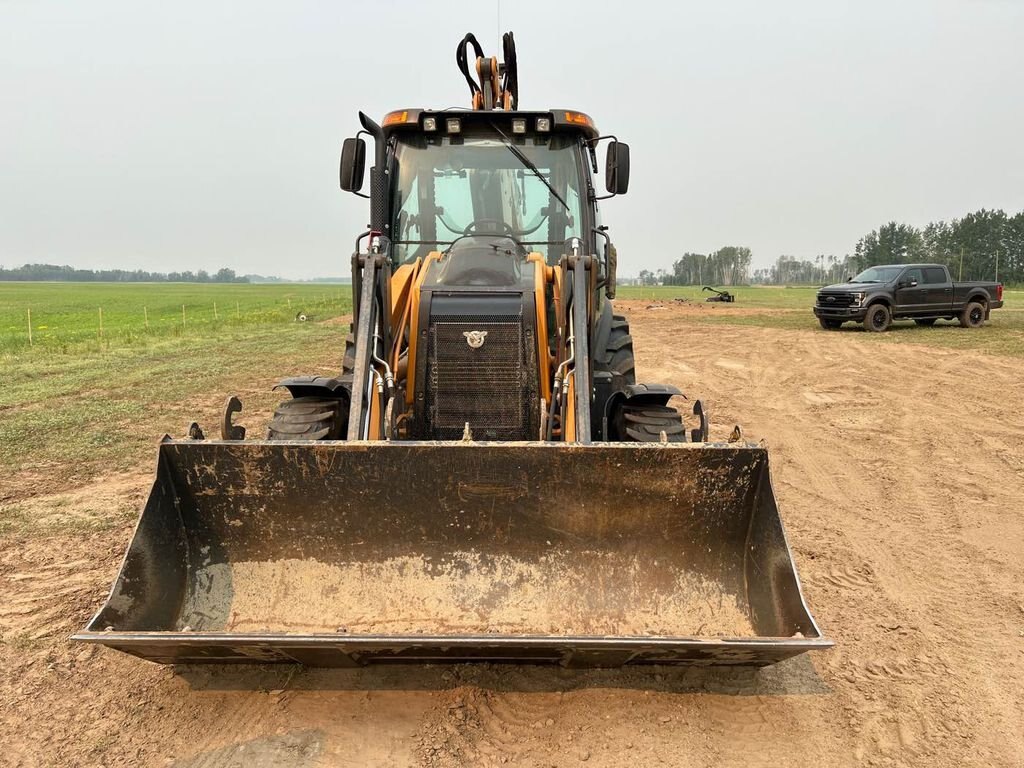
919, 292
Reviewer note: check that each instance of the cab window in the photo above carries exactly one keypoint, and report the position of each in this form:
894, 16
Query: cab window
912, 275
483, 182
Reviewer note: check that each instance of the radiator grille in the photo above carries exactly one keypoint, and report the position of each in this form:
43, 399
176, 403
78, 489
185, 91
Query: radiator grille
834, 299
493, 386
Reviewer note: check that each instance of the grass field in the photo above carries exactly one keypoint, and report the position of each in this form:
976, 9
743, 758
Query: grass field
71, 401
66, 317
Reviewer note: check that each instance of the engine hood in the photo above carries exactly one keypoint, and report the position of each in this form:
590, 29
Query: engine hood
850, 287
481, 261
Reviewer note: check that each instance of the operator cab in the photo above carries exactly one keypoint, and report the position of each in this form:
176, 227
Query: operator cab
458, 179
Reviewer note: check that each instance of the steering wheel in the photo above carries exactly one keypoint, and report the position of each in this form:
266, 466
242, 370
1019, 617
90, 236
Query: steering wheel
498, 227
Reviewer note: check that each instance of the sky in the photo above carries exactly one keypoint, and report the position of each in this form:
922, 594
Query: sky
196, 135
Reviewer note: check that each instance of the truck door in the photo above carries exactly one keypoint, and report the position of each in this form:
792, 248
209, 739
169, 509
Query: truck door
938, 289
910, 293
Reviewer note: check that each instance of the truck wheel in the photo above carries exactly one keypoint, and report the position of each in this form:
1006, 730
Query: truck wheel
973, 315
830, 325
309, 418
926, 322
878, 318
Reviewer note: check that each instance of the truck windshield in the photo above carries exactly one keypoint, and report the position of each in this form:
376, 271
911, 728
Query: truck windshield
474, 184
877, 275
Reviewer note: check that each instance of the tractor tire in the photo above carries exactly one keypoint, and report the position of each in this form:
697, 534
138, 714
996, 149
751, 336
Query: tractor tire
830, 325
309, 418
926, 322
973, 315
878, 318
617, 356
647, 423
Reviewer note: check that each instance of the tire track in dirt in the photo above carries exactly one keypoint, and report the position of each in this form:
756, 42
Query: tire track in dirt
581, 723
40, 592
901, 568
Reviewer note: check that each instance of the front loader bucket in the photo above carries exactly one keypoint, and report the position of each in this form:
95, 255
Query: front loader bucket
344, 554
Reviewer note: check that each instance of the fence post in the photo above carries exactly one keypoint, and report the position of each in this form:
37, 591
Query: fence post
215, 311
145, 313
101, 322
30, 326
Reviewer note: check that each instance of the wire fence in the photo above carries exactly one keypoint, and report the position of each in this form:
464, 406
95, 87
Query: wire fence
52, 329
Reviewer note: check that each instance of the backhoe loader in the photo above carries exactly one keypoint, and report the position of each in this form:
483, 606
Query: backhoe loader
485, 479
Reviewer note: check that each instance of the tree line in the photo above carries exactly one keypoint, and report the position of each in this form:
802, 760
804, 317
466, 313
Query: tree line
983, 245
52, 272
729, 265
789, 270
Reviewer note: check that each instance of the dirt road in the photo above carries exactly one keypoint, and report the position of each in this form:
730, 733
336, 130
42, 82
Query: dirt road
900, 476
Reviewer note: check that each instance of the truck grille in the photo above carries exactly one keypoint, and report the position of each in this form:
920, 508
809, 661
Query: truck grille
492, 386
834, 300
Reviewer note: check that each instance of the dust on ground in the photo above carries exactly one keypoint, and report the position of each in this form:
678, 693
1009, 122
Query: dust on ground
697, 308
899, 472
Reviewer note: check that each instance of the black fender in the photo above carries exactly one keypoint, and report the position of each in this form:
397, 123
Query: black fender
984, 299
637, 394
317, 386
648, 394
879, 298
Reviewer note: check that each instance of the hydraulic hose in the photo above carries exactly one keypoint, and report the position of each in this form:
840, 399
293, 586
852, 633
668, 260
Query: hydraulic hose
559, 378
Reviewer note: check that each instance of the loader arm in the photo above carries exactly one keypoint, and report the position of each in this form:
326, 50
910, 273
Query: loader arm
372, 378
578, 271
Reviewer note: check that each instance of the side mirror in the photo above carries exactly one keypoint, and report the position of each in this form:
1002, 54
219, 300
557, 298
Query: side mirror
616, 168
353, 162
912, 283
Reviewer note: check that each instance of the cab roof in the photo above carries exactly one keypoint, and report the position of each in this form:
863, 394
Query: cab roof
560, 120
904, 266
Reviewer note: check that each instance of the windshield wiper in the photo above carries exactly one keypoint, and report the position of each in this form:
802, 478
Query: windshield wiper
527, 163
